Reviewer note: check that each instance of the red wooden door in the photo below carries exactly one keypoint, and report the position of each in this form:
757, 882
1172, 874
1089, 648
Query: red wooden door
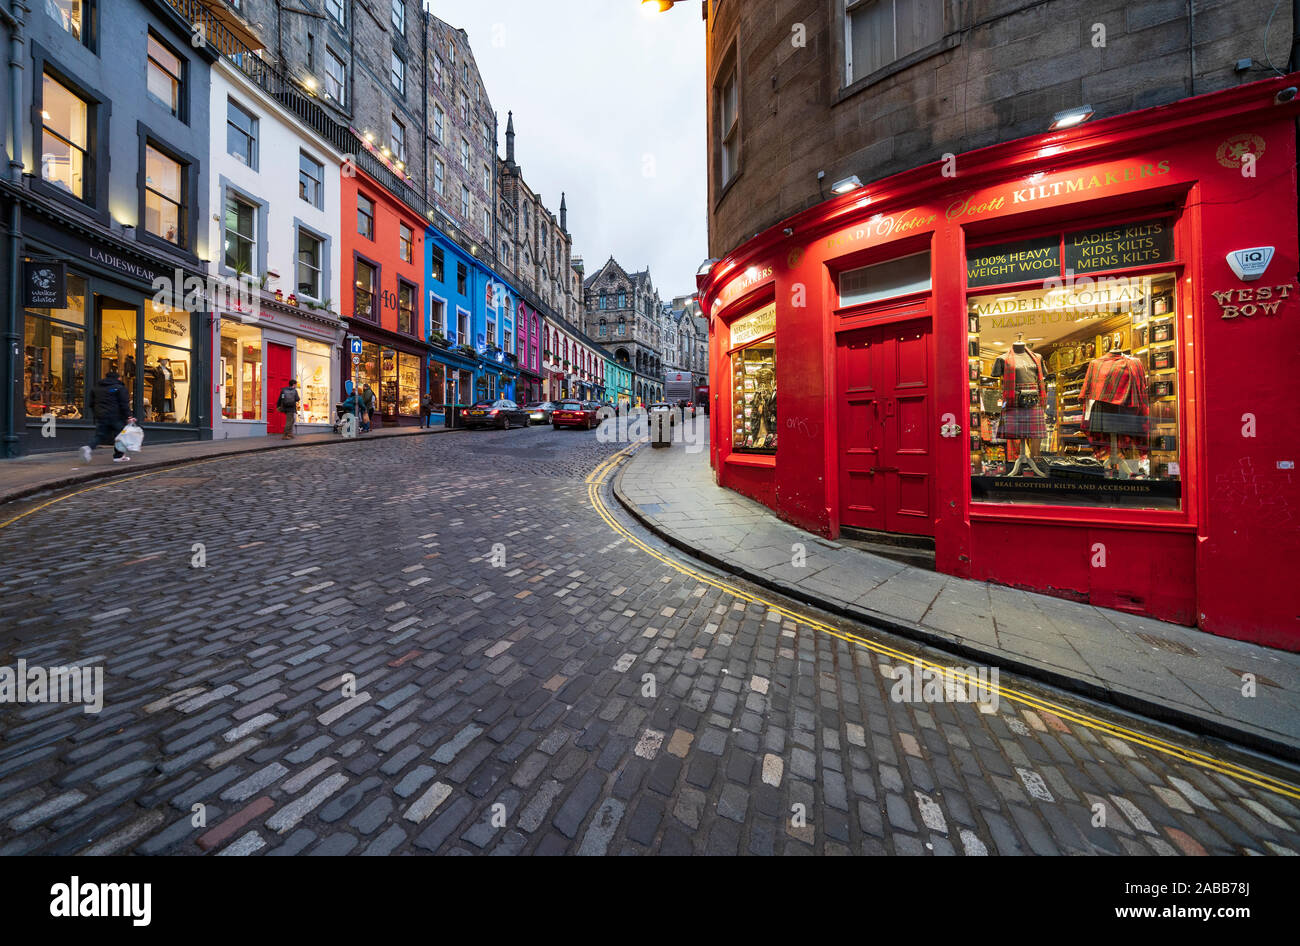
279, 369
885, 428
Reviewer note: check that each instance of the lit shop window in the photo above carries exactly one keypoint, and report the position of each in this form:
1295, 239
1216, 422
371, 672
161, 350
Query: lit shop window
54, 357
1074, 394
167, 364
313, 373
241, 371
753, 382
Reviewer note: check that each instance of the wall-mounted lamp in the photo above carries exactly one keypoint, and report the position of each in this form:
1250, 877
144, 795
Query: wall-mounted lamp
706, 266
1070, 117
850, 183
656, 6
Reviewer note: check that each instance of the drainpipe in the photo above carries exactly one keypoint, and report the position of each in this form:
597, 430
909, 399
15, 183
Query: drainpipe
9, 441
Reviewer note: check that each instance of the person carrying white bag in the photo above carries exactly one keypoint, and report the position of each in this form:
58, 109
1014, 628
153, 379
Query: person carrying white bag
112, 412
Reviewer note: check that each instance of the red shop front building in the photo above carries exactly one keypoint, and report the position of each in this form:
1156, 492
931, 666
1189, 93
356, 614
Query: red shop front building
383, 272
1071, 360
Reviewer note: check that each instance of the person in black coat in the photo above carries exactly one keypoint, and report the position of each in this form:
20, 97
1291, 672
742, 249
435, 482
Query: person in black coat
111, 406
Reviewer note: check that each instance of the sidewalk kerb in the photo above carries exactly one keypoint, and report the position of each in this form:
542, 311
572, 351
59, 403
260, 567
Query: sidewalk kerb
1241, 735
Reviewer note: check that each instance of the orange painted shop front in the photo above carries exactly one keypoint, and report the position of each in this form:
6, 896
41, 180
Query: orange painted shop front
383, 279
1041, 355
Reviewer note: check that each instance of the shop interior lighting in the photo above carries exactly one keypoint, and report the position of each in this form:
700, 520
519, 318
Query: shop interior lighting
1071, 117
850, 183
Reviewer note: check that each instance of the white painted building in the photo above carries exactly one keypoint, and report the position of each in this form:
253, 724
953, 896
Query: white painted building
275, 193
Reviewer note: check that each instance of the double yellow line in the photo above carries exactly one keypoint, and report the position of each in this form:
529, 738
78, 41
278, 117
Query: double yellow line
600, 475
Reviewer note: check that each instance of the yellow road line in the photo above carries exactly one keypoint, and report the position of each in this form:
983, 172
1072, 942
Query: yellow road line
601, 474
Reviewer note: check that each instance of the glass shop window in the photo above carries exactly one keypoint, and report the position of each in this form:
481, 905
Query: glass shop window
1074, 394
54, 357
241, 372
753, 382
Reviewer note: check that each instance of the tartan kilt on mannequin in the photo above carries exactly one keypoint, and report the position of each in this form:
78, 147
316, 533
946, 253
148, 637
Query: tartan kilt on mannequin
1023, 423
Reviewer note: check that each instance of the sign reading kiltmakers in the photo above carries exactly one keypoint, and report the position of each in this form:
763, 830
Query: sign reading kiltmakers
1001, 263
1130, 244
45, 284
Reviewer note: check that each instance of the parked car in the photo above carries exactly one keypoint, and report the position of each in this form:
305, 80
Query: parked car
502, 413
541, 412
572, 413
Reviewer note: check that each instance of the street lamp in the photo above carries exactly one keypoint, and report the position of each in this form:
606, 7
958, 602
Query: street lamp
656, 6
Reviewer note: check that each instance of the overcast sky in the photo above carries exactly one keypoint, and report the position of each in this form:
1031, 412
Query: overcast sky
609, 108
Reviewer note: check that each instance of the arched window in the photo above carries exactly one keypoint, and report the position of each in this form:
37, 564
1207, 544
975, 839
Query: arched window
622, 326
604, 328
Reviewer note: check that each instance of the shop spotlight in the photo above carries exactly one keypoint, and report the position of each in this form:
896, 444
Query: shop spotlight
706, 266
850, 183
1285, 95
1070, 117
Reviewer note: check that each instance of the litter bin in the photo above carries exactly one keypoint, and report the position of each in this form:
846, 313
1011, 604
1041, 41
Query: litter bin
662, 420
451, 415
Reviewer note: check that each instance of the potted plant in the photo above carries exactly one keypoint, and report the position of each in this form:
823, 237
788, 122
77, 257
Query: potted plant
437, 338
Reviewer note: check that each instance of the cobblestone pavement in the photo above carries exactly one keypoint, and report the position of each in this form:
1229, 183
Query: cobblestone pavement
527, 680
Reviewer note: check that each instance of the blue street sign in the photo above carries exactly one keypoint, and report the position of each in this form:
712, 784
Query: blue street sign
356, 346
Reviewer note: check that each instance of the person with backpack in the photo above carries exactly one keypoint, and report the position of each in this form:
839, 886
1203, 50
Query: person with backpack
111, 408
426, 408
287, 404
367, 406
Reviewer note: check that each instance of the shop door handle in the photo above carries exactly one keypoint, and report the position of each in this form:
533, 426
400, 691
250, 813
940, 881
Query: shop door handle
889, 407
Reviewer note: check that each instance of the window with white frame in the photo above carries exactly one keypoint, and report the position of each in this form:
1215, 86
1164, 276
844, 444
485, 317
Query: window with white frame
464, 154
439, 116
336, 10
309, 264
336, 78
464, 202
728, 111
399, 15
879, 32
397, 134
439, 173
241, 134
241, 234
311, 180
397, 73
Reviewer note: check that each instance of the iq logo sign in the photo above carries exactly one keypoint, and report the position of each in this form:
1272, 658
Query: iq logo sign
1250, 264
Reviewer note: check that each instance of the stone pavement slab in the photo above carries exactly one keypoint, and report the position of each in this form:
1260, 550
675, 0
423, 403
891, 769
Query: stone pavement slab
1174, 673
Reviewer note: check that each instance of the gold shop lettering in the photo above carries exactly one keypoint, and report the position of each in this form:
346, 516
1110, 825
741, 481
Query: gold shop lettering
1257, 300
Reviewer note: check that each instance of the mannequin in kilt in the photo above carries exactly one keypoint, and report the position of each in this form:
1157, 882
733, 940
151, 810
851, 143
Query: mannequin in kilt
1024, 399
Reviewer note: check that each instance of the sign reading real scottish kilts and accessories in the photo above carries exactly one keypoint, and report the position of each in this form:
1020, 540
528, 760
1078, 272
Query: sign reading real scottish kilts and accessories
1119, 246
45, 284
1039, 258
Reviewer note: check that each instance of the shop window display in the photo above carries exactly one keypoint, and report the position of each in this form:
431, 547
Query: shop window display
408, 384
753, 401
118, 344
166, 364
241, 372
313, 373
54, 357
1073, 394
367, 372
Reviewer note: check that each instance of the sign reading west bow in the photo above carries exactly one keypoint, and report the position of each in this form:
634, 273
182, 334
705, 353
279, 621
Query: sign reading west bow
45, 284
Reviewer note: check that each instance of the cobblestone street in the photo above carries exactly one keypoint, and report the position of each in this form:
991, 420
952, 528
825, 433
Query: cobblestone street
527, 679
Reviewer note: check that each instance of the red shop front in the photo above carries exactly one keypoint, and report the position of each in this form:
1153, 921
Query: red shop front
1072, 363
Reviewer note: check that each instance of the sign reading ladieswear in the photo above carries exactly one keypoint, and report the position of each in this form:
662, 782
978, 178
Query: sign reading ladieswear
755, 325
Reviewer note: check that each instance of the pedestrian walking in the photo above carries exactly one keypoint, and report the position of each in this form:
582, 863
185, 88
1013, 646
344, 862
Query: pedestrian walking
287, 404
367, 406
111, 408
426, 409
